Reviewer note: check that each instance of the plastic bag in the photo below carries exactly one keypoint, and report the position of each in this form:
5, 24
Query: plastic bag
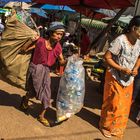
71, 90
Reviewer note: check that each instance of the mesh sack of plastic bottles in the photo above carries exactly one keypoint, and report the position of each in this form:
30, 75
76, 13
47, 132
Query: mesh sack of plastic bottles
71, 89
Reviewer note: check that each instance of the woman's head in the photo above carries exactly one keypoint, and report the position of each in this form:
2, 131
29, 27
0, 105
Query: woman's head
84, 30
134, 26
56, 31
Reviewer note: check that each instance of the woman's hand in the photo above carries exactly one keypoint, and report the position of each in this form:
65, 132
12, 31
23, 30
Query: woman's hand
134, 72
62, 62
126, 71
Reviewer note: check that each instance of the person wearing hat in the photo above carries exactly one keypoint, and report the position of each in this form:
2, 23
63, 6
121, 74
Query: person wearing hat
45, 53
1, 28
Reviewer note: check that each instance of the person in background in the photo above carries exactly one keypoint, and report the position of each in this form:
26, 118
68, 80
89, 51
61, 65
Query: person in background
123, 59
85, 42
136, 93
38, 77
1, 27
136, 90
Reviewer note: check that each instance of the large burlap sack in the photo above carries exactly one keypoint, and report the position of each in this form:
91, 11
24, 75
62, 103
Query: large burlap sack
14, 65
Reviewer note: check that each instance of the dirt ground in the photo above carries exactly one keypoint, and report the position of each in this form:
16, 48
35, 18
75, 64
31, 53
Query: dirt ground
16, 125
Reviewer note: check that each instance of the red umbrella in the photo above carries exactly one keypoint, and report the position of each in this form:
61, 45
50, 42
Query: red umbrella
91, 13
105, 4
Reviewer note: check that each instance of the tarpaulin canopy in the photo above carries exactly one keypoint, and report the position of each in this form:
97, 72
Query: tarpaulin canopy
106, 4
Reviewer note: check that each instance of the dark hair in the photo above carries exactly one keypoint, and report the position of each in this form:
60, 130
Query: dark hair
74, 49
48, 34
84, 30
135, 21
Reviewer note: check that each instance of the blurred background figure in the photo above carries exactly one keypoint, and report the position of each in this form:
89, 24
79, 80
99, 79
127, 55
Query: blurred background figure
85, 41
1, 27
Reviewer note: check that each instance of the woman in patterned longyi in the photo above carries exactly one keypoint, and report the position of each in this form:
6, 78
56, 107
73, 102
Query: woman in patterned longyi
123, 59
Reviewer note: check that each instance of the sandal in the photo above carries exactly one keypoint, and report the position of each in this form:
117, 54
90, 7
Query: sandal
117, 133
44, 121
105, 132
24, 103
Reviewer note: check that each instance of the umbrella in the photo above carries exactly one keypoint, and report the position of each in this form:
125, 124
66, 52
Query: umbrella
109, 13
56, 7
38, 11
53, 7
60, 12
105, 4
91, 13
87, 7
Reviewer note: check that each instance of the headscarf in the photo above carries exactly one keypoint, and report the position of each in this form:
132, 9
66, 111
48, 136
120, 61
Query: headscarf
56, 26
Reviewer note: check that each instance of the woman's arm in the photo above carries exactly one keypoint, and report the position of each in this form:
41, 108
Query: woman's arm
62, 61
112, 63
136, 67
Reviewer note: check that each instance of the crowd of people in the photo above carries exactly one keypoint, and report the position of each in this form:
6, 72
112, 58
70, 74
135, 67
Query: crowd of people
123, 62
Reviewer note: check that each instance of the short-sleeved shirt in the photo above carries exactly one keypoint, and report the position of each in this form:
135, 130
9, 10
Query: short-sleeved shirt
126, 56
44, 56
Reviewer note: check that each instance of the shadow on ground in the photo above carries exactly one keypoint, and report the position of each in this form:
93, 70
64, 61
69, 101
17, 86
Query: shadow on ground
14, 100
89, 117
7, 99
92, 100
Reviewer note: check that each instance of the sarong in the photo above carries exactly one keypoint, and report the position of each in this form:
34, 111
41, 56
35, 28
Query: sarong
116, 106
38, 83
